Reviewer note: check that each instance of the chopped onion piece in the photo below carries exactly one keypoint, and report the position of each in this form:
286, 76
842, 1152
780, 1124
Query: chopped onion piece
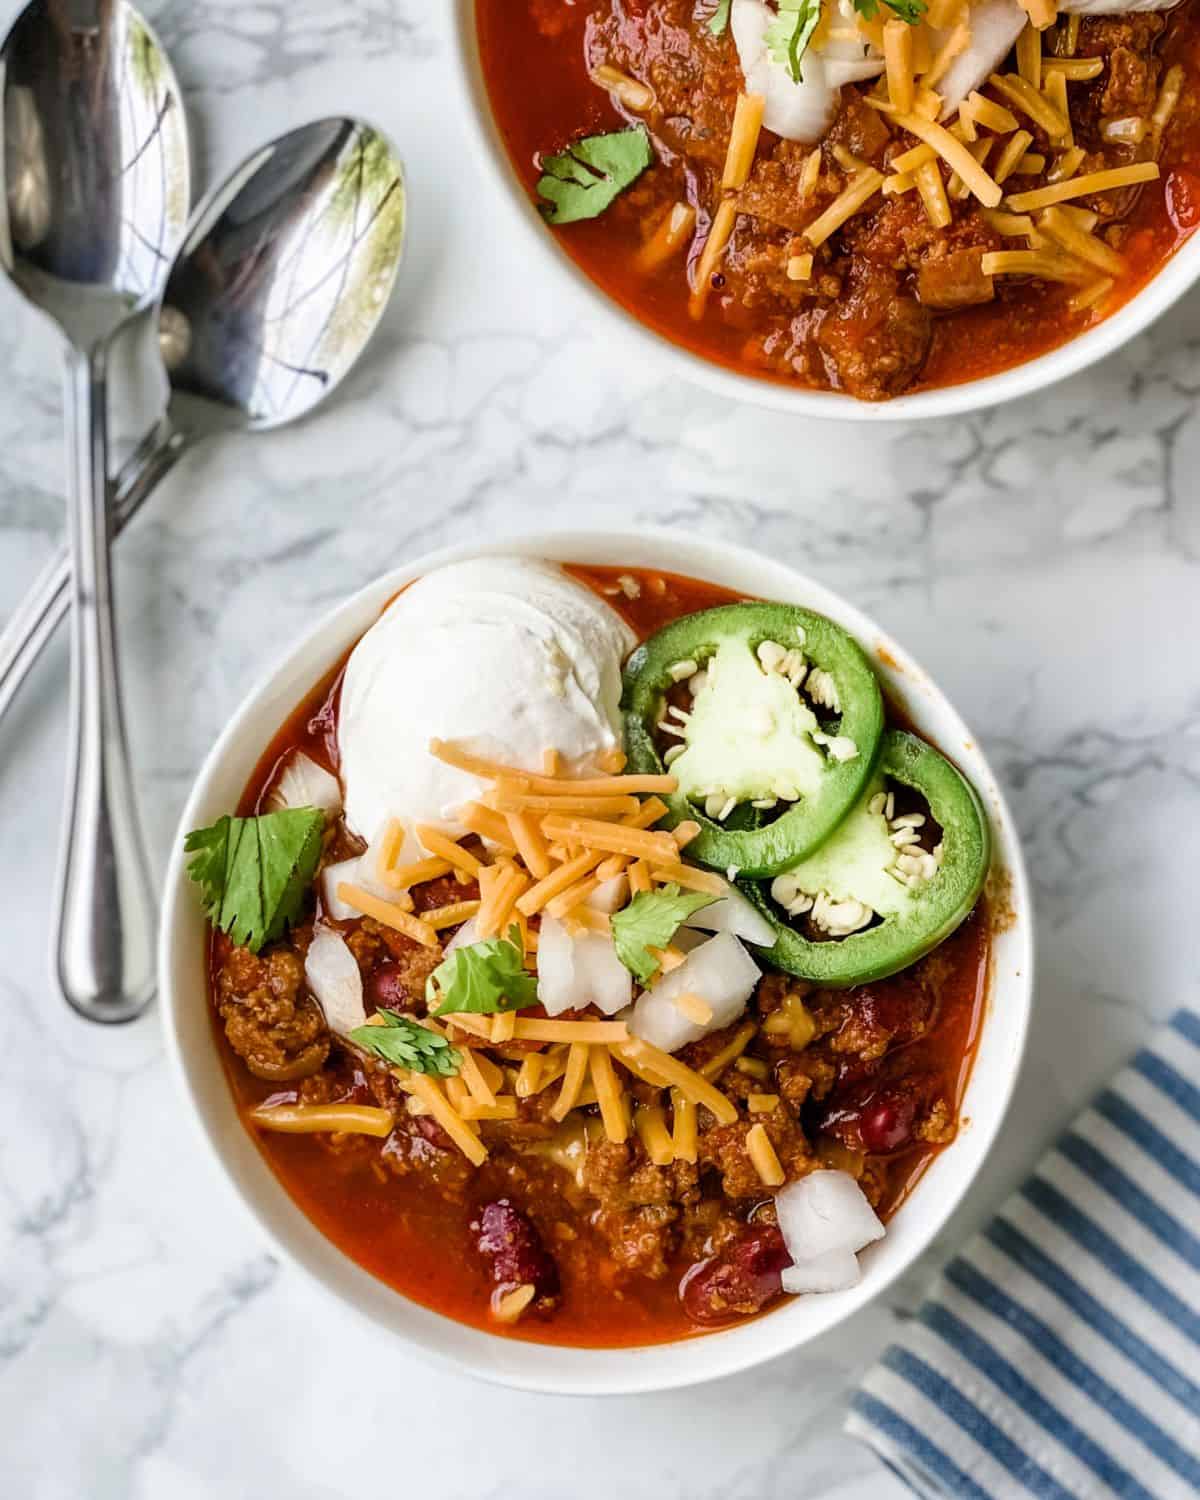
576, 969
331, 877
303, 783
468, 933
824, 1213
800, 111
720, 971
733, 913
834, 1272
334, 978
611, 896
995, 26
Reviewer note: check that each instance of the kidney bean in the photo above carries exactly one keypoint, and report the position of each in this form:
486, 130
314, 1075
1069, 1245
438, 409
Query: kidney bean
887, 1124
878, 1119
741, 1280
513, 1249
387, 988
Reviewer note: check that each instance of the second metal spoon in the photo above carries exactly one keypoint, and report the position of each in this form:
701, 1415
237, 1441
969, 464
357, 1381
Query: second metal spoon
302, 243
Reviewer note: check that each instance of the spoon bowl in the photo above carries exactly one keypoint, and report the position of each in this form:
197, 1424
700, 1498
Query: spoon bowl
282, 279
96, 164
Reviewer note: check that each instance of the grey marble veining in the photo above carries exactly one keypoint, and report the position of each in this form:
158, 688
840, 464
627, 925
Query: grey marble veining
1043, 560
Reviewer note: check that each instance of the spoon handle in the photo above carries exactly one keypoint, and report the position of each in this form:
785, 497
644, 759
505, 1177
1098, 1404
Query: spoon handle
31, 626
105, 937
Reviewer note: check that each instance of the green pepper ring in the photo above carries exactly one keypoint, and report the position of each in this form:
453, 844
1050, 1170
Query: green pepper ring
899, 941
796, 833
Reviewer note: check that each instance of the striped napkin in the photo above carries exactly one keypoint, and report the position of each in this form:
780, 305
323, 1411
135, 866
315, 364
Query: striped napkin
1059, 1355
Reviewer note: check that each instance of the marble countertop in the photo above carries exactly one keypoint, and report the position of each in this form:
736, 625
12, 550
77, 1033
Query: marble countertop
1043, 560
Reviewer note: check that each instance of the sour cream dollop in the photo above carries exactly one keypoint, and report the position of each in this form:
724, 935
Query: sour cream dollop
506, 657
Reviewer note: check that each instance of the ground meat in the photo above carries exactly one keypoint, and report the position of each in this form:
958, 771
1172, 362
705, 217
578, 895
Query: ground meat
954, 280
641, 1240
1132, 84
938, 1126
799, 1078
706, 1226
695, 77
876, 339
774, 194
1129, 83
860, 129
723, 1147
618, 1176
277, 1031
875, 1017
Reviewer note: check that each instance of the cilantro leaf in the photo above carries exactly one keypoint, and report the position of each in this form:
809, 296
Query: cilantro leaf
909, 11
483, 978
720, 20
407, 1044
790, 32
581, 182
651, 920
253, 872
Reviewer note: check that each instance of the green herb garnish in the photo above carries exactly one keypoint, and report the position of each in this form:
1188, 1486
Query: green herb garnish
253, 872
581, 182
790, 32
651, 920
720, 20
407, 1044
909, 11
482, 979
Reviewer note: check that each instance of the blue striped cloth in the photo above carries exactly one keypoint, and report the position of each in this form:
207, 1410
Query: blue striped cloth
1059, 1355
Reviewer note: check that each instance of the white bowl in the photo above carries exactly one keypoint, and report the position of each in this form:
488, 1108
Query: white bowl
185, 1003
1176, 277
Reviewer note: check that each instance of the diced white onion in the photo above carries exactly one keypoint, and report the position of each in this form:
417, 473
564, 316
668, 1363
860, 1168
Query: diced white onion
467, 934
834, 1272
733, 913
799, 111
346, 872
576, 969
720, 971
824, 1213
611, 896
334, 978
995, 27
303, 783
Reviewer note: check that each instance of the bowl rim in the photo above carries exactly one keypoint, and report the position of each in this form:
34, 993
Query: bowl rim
520, 1364
1177, 275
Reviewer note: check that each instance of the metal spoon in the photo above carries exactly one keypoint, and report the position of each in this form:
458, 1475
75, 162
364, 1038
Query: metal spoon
348, 268
96, 190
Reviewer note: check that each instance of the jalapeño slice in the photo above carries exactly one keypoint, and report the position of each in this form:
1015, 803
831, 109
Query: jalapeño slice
778, 735
912, 913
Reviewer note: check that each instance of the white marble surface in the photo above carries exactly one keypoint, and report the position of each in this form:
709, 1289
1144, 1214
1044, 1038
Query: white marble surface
1044, 560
